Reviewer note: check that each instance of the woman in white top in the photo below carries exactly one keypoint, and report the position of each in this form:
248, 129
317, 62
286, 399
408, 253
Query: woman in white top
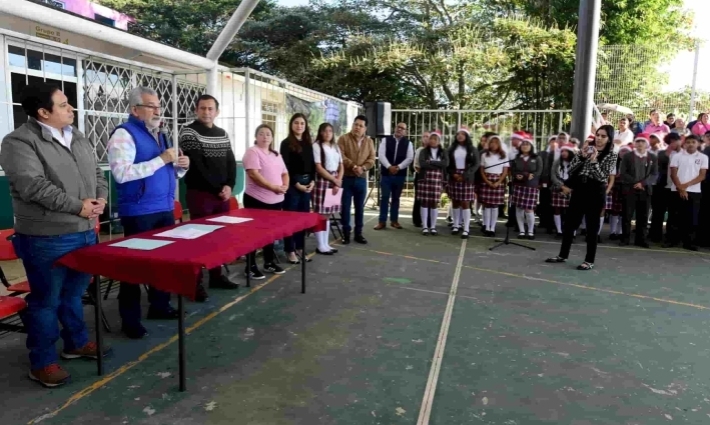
329, 171
433, 162
463, 165
494, 169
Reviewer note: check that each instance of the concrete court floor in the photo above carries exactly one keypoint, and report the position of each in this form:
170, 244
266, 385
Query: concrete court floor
528, 343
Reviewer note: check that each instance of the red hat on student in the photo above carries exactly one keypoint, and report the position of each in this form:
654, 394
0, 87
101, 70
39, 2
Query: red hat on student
465, 130
567, 147
643, 136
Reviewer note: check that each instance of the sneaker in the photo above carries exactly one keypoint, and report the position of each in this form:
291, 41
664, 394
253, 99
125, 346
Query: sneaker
273, 268
89, 351
50, 376
223, 283
255, 273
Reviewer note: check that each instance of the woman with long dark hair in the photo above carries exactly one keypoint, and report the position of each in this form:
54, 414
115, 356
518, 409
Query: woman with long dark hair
560, 192
463, 164
297, 152
589, 173
433, 163
329, 166
493, 172
526, 170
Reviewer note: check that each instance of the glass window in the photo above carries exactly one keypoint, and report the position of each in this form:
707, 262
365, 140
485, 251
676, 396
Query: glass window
18, 83
17, 56
104, 20
53, 64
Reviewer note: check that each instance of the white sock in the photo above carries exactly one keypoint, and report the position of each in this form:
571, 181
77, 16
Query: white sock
615, 224
457, 217
425, 216
434, 214
486, 218
322, 238
583, 226
520, 215
326, 235
492, 218
531, 222
601, 225
558, 223
466, 217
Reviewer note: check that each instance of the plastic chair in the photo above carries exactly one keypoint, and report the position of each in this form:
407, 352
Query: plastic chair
177, 211
7, 253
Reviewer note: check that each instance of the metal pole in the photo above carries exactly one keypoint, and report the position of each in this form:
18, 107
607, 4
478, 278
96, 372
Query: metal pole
691, 114
247, 106
585, 69
225, 37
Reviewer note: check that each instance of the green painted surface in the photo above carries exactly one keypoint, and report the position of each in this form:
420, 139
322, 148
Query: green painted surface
6, 211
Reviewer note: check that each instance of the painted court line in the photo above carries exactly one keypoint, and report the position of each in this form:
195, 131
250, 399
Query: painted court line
430, 391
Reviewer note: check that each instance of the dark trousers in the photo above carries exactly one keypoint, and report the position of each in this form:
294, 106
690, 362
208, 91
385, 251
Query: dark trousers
55, 295
704, 225
203, 204
636, 201
544, 209
391, 188
129, 295
587, 200
686, 212
354, 190
298, 201
268, 250
660, 206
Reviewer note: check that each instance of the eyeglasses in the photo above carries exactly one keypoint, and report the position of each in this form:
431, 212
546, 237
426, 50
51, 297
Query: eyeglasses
155, 108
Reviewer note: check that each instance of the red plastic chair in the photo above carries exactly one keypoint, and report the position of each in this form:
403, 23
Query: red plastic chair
10, 306
233, 203
7, 253
177, 211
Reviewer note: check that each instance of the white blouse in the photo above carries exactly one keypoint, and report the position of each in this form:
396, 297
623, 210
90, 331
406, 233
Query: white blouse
488, 160
333, 159
460, 157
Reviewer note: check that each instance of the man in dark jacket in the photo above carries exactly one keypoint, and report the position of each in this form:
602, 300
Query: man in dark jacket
58, 192
395, 154
638, 171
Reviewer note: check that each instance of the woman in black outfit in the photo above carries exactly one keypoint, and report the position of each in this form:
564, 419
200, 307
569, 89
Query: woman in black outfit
588, 176
297, 152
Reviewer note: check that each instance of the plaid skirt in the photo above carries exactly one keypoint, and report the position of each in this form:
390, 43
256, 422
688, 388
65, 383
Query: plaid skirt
559, 199
429, 188
614, 201
491, 195
525, 197
322, 185
460, 191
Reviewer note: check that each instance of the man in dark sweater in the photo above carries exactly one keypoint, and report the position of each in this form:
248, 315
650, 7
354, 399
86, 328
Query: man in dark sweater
639, 172
213, 170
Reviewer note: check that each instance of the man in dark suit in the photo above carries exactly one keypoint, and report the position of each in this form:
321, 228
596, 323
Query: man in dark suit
639, 171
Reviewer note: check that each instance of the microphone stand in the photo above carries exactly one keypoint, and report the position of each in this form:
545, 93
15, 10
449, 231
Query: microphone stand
508, 224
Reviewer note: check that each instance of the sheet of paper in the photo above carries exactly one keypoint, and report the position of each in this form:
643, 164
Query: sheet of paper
141, 244
182, 232
332, 200
201, 227
230, 219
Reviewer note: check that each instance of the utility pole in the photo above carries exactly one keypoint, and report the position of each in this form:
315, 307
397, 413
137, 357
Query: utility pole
585, 69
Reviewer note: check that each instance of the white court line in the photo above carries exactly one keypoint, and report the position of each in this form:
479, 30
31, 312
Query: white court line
428, 400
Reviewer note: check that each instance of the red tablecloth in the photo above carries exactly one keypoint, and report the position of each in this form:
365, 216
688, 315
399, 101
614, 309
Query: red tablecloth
176, 267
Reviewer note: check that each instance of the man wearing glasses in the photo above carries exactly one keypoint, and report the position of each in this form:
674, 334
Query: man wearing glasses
395, 155
145, 167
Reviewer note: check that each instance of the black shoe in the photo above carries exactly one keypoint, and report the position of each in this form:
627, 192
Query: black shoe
346, 239
464, 235
274, 268
531, 236
455, 230
613, 237
134, 332
201, 294
255, 273
223, 283
360, 239
318, 251
624, 242
558, 236
167, 314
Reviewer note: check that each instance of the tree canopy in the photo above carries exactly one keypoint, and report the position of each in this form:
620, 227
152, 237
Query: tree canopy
464, 54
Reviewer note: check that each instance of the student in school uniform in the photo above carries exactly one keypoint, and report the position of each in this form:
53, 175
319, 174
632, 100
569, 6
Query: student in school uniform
688, 170
661, 199
433, 163
463, 165
615, 201
639, 171
329, 172
526, 170
493, 171
560, 192
416, 209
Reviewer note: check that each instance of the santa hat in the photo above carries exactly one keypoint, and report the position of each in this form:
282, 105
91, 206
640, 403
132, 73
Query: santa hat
624, 149
568, 147
465, 130
528, 141
645, 137
551, 138
520, 135
590, 137
436, 133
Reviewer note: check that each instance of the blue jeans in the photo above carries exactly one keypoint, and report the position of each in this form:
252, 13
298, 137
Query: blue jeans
391, 185
298, 201
55, 294
129, 295
353, 187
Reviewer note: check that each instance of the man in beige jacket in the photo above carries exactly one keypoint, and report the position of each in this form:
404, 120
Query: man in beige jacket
358, 153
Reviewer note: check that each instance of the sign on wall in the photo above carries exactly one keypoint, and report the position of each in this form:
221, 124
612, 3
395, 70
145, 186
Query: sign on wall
48, 33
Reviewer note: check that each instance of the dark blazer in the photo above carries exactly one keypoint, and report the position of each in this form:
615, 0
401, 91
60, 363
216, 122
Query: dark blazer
533, 166
628, 173
426, 163
472, 163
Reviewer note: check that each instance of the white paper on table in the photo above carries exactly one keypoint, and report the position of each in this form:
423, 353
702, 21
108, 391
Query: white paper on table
142, 244
207, 228
182, 232
230, 219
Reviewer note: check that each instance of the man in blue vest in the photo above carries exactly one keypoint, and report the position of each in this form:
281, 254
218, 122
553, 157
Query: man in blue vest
395, 155
145, 167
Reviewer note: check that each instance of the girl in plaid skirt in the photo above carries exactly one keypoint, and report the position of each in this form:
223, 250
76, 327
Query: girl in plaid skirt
329, 168
560, 192
463, 164
526, 171
614, 200
493, 171
433, 162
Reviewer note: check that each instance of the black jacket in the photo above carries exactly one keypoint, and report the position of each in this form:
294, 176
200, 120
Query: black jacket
628, 173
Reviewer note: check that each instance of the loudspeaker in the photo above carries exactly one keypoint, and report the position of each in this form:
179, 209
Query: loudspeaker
379, 119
